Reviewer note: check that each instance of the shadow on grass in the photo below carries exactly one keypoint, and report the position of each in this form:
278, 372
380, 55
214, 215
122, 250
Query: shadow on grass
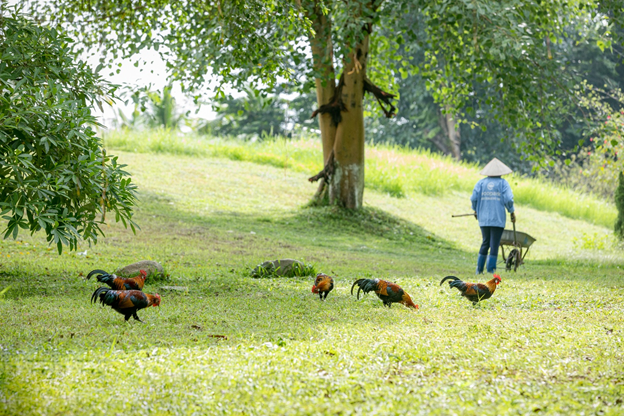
364, 235
318, 226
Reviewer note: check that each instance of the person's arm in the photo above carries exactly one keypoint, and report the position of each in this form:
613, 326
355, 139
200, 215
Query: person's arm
508, 201
475, 196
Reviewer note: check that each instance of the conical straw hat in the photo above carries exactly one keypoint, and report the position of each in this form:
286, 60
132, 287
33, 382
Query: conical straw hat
495, 168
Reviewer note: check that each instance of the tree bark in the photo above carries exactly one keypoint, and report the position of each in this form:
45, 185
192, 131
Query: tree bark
346, 187
449, 143
325, 80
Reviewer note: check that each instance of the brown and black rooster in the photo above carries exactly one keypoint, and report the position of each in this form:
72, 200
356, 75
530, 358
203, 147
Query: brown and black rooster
474, 292
120, 283
126, 302
388, 292
323, 285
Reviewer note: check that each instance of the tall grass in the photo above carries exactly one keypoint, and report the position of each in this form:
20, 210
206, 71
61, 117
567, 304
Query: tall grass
395, 170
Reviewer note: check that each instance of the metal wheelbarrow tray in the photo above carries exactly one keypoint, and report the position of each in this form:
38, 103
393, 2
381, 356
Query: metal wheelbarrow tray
518, 241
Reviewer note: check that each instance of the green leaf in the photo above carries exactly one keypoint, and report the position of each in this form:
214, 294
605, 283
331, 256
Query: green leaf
46, 135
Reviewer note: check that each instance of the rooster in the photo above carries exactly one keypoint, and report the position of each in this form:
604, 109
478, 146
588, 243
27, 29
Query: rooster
323, 285
126, 302
120, 283
388, 292
474, 292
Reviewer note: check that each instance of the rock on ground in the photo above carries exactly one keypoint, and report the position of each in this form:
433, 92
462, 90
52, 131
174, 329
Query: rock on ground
151, 267
284, 267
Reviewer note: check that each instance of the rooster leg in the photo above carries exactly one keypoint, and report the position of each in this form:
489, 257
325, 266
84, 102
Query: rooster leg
321, 295
128, 317
135, 316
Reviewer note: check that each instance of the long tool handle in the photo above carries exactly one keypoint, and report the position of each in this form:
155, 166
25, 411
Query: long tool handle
515, 240
463, 215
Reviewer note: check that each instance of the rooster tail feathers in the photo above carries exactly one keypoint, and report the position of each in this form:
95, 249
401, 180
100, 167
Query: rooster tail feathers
453, 278
96, 271
99, 292
365, 285
355, 283
359, 283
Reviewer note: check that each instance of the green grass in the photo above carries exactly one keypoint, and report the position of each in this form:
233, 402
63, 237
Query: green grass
548, 342
394, 170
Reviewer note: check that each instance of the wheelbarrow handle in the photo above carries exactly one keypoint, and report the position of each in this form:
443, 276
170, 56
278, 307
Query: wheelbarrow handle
463, 215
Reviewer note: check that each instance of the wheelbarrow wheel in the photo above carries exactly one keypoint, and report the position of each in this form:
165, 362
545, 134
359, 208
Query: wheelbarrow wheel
513, 260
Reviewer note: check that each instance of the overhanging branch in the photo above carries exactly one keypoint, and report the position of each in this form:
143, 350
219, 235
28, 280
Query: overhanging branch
381, 96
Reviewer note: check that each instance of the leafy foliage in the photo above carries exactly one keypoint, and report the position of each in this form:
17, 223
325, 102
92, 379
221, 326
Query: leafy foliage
596, 167
507, 49
151, 109
269, 270
240, 41
255, 115
163, 110
54, 174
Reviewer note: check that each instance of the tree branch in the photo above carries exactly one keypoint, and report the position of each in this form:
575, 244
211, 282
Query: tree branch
327, 171
381, 96
335, 106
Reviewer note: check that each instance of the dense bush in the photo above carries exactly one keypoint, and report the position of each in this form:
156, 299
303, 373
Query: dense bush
54, 173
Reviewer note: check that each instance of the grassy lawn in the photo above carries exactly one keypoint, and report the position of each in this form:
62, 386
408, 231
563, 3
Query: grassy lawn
548, 342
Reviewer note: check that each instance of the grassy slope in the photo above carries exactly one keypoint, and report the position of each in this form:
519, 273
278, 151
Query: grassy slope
548, 341
389, 169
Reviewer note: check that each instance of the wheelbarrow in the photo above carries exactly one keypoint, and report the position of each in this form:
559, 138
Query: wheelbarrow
517, 241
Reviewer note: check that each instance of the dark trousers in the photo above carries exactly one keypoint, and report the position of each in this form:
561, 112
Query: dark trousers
491, 240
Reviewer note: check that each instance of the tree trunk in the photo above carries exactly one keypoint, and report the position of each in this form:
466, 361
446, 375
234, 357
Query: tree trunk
346, 187
341, 112
449, 143
323, 55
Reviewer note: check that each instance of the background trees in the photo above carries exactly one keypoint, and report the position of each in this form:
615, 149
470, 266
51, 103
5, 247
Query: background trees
54, 174
503, 59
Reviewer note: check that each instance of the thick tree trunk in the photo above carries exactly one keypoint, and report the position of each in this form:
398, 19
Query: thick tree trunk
341, 112
346, 187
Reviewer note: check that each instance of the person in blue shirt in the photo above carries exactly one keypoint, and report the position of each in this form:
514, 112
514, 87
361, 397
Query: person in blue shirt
490, 197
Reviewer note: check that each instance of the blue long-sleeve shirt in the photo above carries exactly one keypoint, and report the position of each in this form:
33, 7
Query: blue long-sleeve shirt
490, 197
